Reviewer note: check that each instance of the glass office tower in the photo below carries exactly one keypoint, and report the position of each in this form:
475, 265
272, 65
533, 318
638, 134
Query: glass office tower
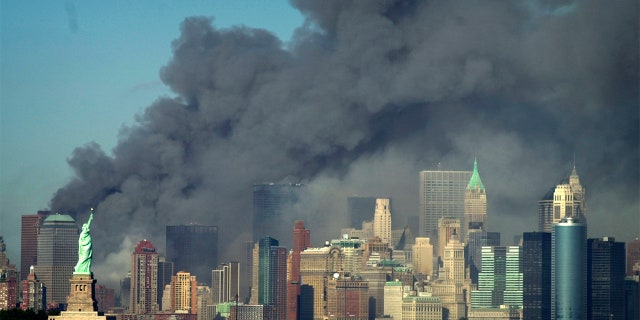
569, 269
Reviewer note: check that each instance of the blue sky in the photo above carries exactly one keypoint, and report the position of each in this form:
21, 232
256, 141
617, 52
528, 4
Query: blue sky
73, 72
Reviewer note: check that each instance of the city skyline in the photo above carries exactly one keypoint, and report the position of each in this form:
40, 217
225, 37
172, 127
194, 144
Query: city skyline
357, 102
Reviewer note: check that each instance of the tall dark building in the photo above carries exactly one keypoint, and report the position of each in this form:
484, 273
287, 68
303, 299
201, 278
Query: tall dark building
165, 271
569, 269
272, 275
473, 250
442, 195
301, 241
605, 276
545, 211
273, 209
360, 209
193, 248
536, 268
29, 241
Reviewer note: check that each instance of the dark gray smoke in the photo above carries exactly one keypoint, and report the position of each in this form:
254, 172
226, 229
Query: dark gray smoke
366, 95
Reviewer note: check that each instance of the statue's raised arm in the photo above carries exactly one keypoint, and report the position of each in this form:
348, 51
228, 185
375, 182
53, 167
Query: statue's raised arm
85, 249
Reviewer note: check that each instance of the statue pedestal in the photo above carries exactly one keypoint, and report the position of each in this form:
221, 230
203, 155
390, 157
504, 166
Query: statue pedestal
81, 302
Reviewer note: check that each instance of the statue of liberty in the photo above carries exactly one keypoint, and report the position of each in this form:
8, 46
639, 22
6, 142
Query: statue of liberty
85, 249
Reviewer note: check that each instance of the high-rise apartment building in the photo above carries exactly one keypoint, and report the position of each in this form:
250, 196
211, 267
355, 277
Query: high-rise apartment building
57, 255
382, 220
536, 268
144, 279
423, 256
301, 241
442, 195
475, 204
184, 292
271, 276
569, 269
605, 279
29, 241
360, 209
193, 248
273, 210
33, 293
8, 280
501, 279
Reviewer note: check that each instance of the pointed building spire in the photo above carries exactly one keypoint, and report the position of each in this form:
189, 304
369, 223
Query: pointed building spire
475, 182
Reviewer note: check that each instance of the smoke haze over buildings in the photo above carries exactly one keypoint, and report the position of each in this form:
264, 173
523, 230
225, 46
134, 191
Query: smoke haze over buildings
366, 95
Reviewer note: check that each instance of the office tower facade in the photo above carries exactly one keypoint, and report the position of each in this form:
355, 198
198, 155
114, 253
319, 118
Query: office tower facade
315, 265
29, 241
193, 248
545, 211
105, 298
347, 298
605, 278
442, 195
271, 276
57, 255
501, 279
144, 279
569, 269
8, 280
352, 253
184, 293
452, 282
453, 261
475, 204
394, 292
33, 293
301, 241
203, 301
568, 200
165, 272
382, 220
447, 227
360, 209
422, 308
423, 256
226, 282
536, 268
633, 256
273, 209
476, 240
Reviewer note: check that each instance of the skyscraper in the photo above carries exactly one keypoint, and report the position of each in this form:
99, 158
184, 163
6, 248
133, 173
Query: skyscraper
633, 255
475, 204
144, 279
568, 200
272, 275
442, 194
29, 241
165, 272
347, 298
301, 241
273, 206
226, 282
382, 220
315, 265
569, 269
536, 268
447, 227
57, 255
360, 209
605, 278
501, 280
476, 240
193, 248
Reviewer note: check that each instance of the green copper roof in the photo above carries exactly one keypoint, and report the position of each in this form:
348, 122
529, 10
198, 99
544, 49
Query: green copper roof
59, 218
475, 180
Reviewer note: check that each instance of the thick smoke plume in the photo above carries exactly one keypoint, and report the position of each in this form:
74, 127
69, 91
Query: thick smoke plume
366, 95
